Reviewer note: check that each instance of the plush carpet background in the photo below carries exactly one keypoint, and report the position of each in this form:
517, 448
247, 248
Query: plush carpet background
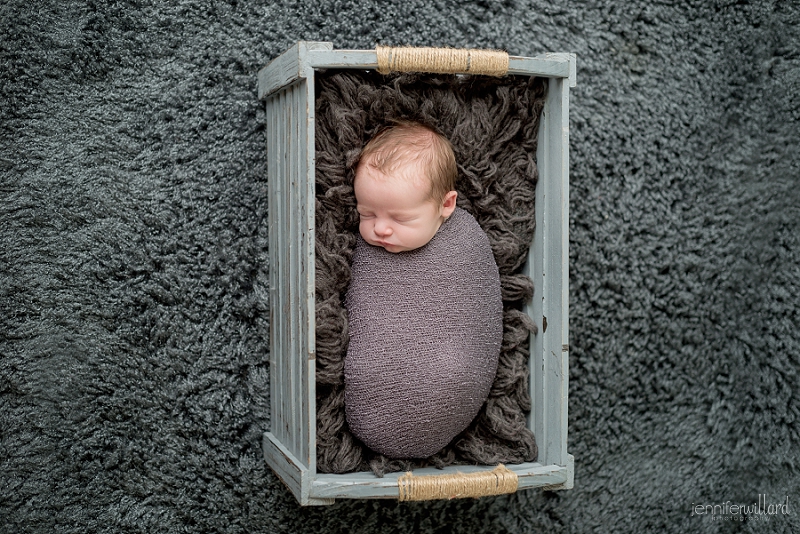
133, 292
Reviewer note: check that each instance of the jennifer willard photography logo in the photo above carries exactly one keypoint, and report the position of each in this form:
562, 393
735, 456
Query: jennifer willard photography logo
763, 510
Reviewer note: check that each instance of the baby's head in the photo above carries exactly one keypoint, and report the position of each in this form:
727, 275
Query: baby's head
405, 186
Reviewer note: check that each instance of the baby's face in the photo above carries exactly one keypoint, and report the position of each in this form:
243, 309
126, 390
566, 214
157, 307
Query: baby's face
395, 212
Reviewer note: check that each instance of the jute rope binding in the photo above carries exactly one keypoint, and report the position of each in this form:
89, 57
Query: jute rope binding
442, 60
496, 482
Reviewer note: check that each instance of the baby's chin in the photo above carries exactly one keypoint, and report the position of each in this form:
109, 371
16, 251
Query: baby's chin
394, 249
388, 247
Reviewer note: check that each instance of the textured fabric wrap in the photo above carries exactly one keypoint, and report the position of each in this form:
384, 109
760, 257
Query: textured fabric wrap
425, 333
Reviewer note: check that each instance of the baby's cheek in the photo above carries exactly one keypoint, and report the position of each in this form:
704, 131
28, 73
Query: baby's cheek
363, 229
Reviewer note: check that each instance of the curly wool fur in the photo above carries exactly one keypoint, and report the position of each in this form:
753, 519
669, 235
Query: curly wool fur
493, 125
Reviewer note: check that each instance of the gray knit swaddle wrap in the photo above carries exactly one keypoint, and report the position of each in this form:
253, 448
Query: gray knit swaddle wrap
425, 333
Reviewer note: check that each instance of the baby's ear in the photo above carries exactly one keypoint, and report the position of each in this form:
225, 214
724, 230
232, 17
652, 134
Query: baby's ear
449, 203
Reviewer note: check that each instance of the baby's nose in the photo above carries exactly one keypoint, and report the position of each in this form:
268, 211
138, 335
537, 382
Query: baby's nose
383, 229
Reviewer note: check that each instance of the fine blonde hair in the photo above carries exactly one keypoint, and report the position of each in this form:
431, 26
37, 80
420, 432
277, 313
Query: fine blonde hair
403, 142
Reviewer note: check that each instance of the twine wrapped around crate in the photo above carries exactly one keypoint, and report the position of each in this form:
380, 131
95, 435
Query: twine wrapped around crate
441, 60
498, 481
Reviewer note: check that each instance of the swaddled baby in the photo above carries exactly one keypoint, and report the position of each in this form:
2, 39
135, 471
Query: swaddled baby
424, 304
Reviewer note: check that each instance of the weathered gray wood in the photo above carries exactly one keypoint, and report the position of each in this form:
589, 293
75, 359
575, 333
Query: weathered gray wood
291, 253
291, 443
368, 59
546, 67
299, 324
308, 277
283, 463
284, 418
280, 72
293, 245
534, 268
368, 486
548, 267
560, 264
570, 482
274, 170
291, 472
564, 57
272, 236
288, 67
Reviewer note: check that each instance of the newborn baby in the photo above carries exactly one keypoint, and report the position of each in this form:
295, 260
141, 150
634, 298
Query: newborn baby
424, 305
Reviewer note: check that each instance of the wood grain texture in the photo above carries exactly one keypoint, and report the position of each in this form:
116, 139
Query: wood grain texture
289, 67
570, 482
290, 470
548, 267
291, 270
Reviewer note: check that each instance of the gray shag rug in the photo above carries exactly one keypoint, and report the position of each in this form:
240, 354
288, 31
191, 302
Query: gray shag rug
493, 127
134, 367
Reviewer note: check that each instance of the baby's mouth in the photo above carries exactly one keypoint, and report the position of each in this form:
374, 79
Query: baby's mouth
389, 247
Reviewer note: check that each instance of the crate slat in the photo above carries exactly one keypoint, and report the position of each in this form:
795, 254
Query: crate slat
368, 59
292, 263
368, 486
272, 151
284, 288
547, 265
276, 285
308, 277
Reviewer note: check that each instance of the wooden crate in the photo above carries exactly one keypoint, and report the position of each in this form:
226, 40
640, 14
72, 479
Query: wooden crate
287, 85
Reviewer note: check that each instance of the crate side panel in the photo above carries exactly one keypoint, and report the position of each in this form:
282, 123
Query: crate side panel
551, 66
283, 464
558, 263
288, 171
308, 275
298, 271
534, 268
551, 288
285, 287
565, 86
365, 485
300, 261
271, 240
277, 318
548, 363
293, 175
